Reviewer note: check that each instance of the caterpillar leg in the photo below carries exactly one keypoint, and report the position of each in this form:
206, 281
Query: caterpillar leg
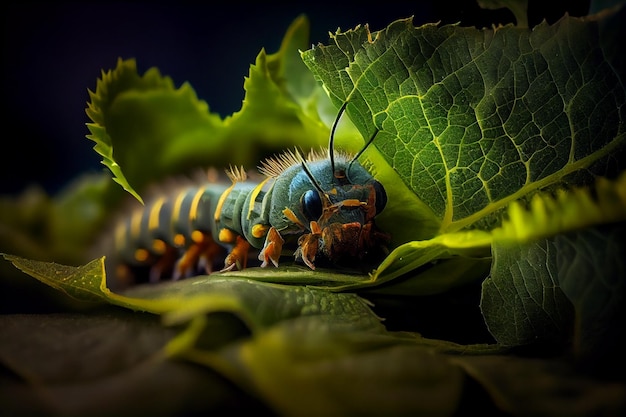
201, 252
308, 244
272, 248
339, 240
163, 265
238, 256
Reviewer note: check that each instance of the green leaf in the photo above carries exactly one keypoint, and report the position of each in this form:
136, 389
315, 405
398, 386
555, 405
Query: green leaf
38, 226
473, 119
305, 343
329, 367
109, 104
258, 304
340, 363
84, 283
564, 210
59, 228
287, 69
522, 300
146, 129
109, 363
472, 245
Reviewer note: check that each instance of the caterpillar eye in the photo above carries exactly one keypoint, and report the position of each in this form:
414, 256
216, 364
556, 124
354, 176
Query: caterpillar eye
381, 196
311, 205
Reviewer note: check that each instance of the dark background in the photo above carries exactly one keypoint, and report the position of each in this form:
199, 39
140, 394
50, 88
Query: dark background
54, 51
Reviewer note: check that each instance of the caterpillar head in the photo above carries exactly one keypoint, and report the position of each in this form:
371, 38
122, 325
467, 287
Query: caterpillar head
331, 206
341, 212
334, 199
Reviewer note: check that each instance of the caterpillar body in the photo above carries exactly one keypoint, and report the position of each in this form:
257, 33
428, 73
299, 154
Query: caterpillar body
321, 208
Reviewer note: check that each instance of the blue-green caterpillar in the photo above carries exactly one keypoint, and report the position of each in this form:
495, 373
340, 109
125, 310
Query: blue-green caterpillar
320, 207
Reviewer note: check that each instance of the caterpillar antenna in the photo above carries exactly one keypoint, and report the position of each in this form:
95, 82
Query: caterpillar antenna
331, 142
369, 142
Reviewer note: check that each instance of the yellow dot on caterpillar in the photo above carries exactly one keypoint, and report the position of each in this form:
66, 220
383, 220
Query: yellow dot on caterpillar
158, 246
141, 255
197, 236
179, 240
227, 236
259, 230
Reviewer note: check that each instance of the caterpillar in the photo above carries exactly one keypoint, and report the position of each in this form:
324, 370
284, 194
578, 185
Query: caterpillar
318, 208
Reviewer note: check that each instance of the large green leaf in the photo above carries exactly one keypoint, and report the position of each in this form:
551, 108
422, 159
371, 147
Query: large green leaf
546, 270
475, 123
330, 367
114, 362
147, 129
305, 344
258, 304
473, 119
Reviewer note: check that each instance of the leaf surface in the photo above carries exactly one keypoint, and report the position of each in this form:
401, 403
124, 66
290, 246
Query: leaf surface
533, 253
110, 363
147, 129
473, 119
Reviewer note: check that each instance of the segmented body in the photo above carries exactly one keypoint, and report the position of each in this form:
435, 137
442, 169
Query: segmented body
301, 208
